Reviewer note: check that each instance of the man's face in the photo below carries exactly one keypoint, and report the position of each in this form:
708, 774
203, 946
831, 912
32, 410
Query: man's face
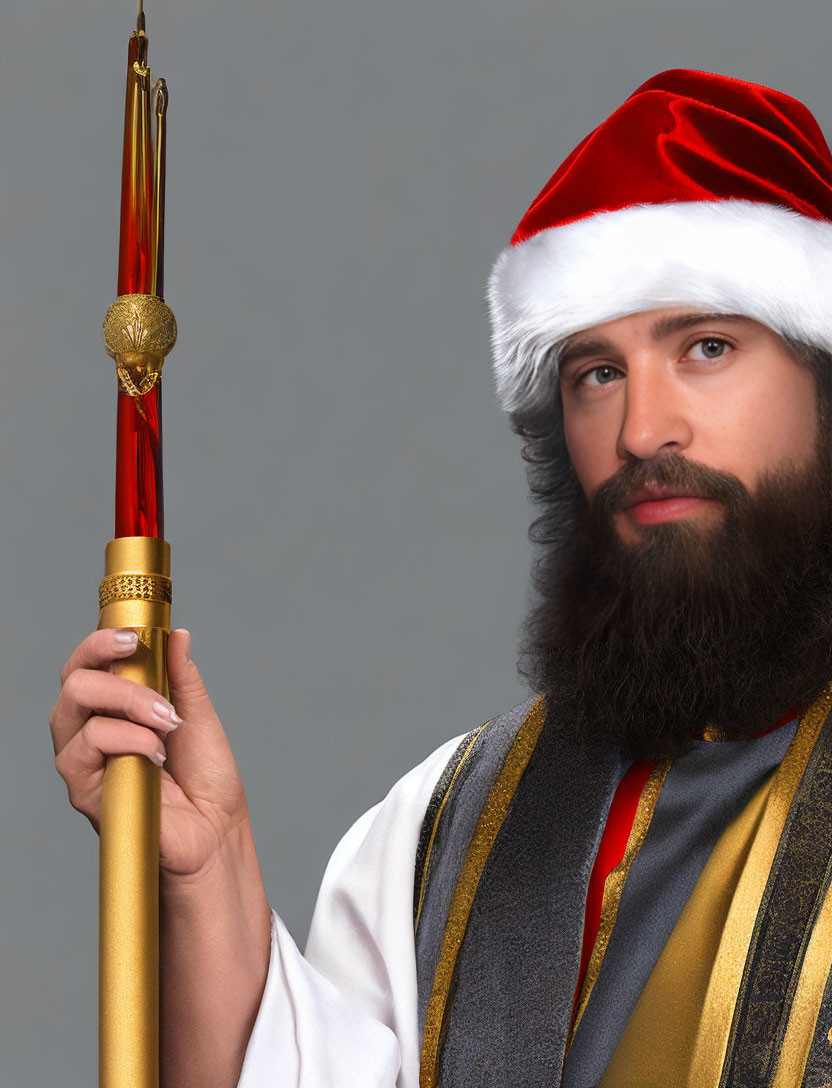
720, 391
685, 572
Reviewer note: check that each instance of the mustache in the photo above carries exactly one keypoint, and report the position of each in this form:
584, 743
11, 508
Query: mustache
671, 470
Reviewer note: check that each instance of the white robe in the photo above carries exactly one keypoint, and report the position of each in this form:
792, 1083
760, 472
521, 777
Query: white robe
346, 1013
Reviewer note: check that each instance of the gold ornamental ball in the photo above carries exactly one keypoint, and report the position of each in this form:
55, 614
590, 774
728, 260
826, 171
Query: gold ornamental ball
139, 328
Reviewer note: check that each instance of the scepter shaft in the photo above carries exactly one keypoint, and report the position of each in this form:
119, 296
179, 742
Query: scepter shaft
139, 493
139, 331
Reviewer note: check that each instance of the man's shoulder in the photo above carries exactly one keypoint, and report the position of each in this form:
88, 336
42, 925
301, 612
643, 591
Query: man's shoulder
369, 882
470, 769
491, 739
430, 782
398, 820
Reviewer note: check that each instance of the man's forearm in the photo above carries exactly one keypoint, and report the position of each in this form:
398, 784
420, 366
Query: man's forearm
215, 941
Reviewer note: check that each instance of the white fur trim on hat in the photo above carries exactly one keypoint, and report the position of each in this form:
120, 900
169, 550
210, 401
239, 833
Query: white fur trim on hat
728, 256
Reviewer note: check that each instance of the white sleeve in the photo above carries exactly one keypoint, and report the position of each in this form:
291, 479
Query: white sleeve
346, 1014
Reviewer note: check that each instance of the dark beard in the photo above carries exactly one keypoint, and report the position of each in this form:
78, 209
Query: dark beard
648, 644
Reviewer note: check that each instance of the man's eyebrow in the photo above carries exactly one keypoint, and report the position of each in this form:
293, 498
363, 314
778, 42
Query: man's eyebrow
668, 325
578, 348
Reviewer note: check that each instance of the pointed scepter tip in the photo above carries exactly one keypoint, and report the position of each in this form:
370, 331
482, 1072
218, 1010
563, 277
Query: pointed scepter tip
140, 24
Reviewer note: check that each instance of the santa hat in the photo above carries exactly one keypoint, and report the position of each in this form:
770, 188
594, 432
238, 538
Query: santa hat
699, 190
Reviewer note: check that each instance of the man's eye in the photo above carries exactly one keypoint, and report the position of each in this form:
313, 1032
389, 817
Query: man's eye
710, 347
599, 375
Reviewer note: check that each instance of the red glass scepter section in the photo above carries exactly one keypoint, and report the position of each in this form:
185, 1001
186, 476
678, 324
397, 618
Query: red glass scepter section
139, 497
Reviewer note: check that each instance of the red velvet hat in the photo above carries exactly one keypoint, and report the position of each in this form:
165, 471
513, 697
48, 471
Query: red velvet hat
699, 190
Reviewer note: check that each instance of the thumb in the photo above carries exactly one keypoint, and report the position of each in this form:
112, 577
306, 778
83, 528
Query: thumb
200, 760
187, 690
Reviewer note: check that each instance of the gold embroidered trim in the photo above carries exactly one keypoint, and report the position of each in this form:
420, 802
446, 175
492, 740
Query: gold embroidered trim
715, 1032
433, 830
715, 734
806, 1004
614, 887
488, 826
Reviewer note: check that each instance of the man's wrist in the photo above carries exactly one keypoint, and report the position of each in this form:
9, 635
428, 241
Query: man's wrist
227, 893
215, 937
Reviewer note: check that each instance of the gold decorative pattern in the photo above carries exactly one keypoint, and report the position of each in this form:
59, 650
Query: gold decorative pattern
134, 587
814, 974
614, 887
135, 382
139, 332
139, 324
715, 733
433, 831
488, 826
714, 1037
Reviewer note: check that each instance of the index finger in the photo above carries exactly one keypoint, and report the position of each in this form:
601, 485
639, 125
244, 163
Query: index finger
100, 649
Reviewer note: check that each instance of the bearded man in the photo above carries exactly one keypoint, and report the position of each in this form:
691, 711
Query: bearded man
627, 880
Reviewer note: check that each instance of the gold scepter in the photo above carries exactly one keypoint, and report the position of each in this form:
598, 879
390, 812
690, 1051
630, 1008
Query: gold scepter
139, 331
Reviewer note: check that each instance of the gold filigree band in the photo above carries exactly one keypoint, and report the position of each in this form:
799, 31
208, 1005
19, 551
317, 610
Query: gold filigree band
134, 587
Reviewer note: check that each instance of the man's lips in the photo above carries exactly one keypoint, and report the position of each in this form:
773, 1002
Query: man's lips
655, 504
659, 494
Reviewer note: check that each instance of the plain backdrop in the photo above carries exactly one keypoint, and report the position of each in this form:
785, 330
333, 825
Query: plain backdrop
346, 506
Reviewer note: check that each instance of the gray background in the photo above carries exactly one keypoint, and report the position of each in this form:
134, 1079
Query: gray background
345, 504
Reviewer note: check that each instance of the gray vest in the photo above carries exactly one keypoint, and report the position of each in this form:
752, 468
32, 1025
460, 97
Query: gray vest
511, 966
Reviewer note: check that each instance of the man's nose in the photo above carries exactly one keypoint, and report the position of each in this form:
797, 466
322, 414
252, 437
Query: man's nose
655, 420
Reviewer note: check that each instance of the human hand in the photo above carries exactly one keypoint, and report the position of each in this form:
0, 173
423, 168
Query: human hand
99, 714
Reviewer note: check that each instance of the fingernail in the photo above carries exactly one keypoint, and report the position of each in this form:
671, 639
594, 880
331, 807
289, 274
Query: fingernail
166, 713
125, 640
158, 758
185, 631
